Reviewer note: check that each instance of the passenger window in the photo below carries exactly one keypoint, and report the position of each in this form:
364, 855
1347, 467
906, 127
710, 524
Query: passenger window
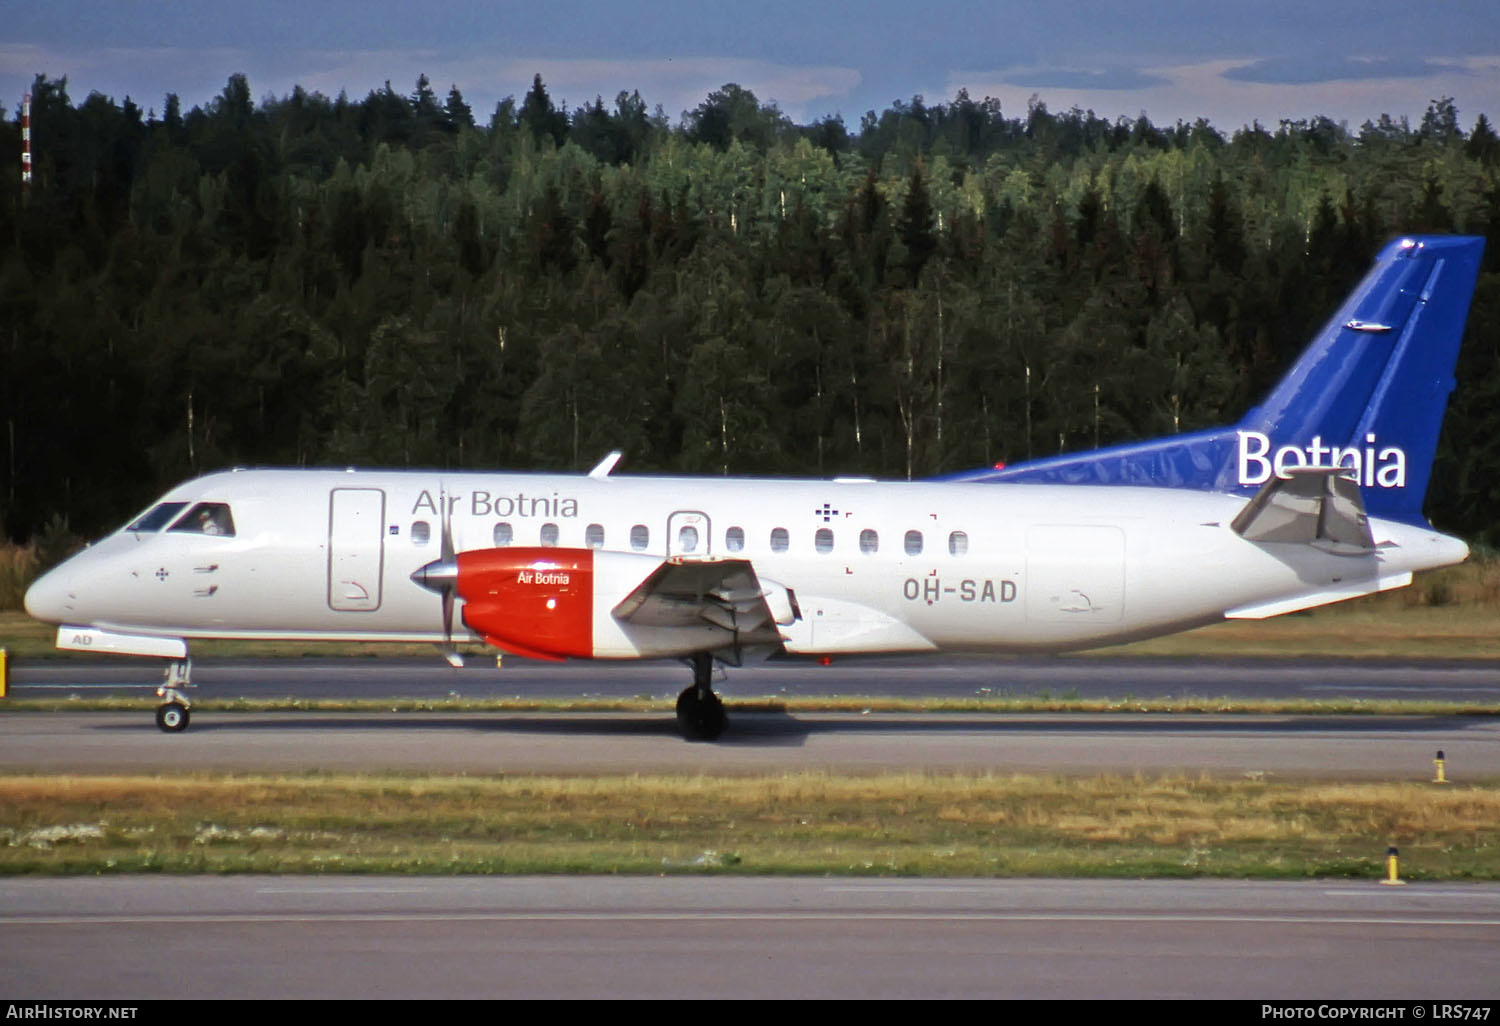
157, 518
549, 534
823, 540
958, 544
687, 539
421, 532
869, 542
913, 543
779, 540
206, 518
593, 536
734, 539
503, 534
640, 537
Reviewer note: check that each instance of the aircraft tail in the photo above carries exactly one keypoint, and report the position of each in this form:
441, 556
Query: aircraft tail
1368, 394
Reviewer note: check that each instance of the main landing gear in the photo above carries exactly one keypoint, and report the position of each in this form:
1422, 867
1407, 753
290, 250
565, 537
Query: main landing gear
172, 715
700, 714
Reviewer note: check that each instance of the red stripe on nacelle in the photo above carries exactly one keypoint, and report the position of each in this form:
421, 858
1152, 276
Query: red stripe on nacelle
532, 601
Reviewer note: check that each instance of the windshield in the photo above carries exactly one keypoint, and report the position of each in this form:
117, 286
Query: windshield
157, 517
206, 518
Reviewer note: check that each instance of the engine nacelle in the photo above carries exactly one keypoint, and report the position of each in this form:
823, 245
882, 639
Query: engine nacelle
556, 603
531, 601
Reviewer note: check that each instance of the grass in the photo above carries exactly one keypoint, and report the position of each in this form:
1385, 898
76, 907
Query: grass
804, 823
18, 566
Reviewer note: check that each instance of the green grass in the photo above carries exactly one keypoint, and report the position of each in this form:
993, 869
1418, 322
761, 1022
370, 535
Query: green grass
804, 823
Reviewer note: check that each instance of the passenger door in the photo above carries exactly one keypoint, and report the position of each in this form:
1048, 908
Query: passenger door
356, 548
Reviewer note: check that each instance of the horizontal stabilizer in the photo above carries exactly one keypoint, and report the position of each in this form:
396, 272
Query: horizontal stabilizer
1313, 599
1319, 506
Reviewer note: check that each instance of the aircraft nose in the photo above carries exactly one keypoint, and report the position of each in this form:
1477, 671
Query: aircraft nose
48, 599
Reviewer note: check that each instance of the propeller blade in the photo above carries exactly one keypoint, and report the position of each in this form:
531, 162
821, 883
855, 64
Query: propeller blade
449, 558
447, 539
441, 576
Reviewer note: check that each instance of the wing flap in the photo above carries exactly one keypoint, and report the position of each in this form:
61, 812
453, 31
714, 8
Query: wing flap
686, 592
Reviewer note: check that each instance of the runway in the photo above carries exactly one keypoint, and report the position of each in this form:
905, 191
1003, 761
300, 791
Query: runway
1352, 747
761, 741
717, 937
910, 677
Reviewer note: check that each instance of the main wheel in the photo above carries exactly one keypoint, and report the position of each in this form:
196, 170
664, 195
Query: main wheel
701, 716
172, 717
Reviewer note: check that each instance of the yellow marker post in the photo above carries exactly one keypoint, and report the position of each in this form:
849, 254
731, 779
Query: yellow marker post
4, 674
1391, 877
1439, 762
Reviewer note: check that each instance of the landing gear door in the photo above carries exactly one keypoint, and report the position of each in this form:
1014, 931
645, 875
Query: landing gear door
356, 553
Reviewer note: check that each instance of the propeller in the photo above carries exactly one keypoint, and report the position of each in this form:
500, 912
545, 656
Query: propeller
441, 576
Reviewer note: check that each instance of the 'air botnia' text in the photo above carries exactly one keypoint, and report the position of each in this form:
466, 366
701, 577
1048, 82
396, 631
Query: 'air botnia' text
483, 504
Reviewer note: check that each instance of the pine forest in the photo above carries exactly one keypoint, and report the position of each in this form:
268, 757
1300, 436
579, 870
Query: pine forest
395, 281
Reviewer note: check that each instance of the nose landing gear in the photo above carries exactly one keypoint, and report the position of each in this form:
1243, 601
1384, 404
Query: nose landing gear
172, 715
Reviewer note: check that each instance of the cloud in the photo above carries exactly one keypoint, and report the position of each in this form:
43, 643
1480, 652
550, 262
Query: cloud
145, 74
677, 84
802, 91
1074, 78
1308, 70
1209, 90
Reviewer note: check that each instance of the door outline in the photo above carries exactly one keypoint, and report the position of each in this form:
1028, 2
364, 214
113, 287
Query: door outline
356, 549
689, 518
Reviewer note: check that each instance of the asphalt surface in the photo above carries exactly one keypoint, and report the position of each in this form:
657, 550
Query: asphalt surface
919, 677
1353, 747
715, 937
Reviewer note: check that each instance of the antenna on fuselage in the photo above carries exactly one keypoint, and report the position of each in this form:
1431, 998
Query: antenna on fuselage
603, 468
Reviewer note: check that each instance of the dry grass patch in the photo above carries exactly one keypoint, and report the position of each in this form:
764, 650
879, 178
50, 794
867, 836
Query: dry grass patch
905, 823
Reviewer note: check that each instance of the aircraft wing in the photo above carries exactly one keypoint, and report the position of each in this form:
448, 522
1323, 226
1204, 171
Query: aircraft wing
724, 592
1318, 506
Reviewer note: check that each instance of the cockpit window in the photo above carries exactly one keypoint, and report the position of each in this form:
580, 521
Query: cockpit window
206, 518
157, 517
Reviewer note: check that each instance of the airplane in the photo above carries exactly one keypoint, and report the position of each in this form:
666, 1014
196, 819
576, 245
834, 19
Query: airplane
1313, 497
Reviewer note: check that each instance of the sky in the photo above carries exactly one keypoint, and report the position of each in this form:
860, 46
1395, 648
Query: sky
1230, 62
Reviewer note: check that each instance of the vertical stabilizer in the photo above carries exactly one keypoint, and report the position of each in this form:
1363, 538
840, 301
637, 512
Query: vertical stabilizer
1370, 391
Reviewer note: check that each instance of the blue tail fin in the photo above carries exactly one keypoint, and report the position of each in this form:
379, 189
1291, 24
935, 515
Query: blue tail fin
1368, 394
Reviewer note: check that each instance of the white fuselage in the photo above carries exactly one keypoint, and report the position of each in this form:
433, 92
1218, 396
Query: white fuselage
872, 566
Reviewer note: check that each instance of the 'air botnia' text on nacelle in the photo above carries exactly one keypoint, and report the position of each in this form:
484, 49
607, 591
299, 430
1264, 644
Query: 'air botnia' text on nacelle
1371, 466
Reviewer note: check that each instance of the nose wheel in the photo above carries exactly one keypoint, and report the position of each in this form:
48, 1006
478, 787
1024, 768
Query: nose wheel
172, 715
700, 714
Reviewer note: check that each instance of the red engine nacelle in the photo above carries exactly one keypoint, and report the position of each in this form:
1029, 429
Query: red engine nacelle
535, 602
